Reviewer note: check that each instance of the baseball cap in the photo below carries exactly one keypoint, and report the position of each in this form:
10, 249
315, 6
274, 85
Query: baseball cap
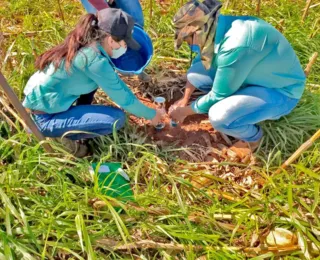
119, 24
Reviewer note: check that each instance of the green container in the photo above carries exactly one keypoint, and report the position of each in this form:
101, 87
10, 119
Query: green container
113, 181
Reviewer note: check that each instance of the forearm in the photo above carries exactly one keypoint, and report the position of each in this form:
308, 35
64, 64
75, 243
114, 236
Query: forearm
122, 95
101, 72
188, 91
204, 103
140, 110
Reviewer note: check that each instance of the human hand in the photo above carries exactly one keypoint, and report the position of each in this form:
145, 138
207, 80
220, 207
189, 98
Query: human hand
180, 103
158, 117
179, 114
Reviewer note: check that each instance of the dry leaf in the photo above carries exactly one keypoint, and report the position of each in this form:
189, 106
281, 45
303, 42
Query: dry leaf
315, 249
201, 182
281, 237
304, 246
254, 239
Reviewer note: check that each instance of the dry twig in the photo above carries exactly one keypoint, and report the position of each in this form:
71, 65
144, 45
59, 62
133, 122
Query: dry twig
305, 13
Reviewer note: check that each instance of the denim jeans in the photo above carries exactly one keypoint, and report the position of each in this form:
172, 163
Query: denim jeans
94, 119
238, 114
132, 7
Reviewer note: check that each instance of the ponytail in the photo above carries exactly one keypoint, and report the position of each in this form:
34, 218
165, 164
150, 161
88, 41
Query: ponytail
86, 32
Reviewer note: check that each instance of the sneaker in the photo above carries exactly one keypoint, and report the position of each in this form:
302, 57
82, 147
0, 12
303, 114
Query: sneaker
144, 77
244, 149
76, 148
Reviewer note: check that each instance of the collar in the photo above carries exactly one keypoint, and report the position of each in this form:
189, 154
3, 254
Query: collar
105, 54
102, 50
220, 32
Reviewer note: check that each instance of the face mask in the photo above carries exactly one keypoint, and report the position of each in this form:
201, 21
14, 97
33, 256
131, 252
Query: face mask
116, 53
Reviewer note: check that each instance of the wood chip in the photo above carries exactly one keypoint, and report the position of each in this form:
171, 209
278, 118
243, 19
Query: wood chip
246, 159
254, 239
204, 122
201, 182
231, 154
216, 151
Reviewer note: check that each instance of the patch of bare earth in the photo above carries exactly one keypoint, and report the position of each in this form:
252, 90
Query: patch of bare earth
197, 141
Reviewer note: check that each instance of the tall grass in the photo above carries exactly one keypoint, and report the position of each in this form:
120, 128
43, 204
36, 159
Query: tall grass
50, 207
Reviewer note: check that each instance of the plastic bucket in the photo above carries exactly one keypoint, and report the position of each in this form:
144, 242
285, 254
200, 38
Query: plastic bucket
134, 62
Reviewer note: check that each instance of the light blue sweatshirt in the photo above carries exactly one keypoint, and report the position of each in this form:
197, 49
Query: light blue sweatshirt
249, 51
53, 91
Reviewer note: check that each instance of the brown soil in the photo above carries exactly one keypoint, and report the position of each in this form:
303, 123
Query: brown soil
196, 134
195, 140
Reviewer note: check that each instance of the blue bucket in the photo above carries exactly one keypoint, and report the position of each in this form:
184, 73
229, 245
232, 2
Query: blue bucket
134, 62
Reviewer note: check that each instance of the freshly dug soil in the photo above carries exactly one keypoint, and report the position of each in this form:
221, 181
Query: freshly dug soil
196, 134
195, 140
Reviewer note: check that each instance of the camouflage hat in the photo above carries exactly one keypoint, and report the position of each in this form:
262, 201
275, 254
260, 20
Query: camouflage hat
198, 18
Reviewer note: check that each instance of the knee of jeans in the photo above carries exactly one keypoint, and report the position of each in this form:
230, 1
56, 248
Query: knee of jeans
120, 119
140, 21
194, 79
199, 81
217, 118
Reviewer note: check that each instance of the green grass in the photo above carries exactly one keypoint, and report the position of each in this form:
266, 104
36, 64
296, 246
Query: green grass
46, 209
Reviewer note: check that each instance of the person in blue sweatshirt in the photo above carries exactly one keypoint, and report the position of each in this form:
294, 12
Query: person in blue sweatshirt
131, 7
71, 72
246, 68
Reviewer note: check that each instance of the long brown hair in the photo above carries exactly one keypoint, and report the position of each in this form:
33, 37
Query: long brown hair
85, 32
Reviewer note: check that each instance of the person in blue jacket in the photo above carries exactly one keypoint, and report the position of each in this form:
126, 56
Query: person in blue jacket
247, 69
74, 69
132, 7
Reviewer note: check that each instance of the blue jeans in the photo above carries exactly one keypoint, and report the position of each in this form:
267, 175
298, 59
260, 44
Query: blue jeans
95, 119
238, 114
132, 7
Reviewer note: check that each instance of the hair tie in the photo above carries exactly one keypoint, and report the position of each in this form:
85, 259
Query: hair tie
94, 23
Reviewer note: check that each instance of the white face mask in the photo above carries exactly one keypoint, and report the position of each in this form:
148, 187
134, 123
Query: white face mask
116, 53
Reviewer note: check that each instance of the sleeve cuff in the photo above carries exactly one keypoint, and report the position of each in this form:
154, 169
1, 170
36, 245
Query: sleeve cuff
150, 114
196, 109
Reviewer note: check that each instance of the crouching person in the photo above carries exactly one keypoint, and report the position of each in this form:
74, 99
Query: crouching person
60, 93
247, 69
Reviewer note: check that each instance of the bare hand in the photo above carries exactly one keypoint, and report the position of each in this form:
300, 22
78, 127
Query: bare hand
179, 114
158, 117
180, 103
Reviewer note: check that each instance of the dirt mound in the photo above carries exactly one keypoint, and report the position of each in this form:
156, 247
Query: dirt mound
195, 140
198, 140
196, 137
